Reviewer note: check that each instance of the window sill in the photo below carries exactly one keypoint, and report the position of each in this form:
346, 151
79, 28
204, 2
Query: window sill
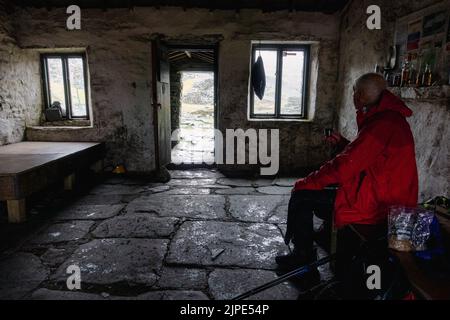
65, 133
279, 120
54, 127
67, 123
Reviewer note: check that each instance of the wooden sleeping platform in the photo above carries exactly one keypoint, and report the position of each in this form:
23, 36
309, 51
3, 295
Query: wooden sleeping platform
27, 167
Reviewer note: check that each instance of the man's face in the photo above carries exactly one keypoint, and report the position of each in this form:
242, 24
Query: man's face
358, 97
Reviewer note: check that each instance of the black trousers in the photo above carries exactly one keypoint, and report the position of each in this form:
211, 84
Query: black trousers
302, 205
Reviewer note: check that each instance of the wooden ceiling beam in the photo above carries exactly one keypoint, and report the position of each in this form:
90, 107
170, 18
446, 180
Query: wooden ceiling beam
205, 58
176, 53
264, 5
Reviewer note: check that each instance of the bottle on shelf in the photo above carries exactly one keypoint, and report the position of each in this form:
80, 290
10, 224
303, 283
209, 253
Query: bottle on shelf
397, 80
419, 77
412, 75
427, 76
419, 72
405, 73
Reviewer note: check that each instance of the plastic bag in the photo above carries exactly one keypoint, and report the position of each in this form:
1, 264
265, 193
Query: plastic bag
409, 228
259, 78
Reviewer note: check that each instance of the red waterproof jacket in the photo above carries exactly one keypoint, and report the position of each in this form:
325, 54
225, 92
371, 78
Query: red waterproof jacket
376, 170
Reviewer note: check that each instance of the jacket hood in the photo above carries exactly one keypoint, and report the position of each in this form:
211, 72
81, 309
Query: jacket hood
389, 101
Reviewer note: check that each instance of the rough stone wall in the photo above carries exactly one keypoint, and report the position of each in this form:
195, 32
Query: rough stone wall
175, 98
360, 50
19, 84
117, 42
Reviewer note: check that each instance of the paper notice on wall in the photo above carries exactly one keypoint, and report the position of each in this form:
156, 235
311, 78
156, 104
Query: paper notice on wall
434, 23
428, 52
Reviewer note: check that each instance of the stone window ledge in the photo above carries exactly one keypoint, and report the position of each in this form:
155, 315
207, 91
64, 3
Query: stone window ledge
83, 123
59, 128
66, 133
422, 93
278, 120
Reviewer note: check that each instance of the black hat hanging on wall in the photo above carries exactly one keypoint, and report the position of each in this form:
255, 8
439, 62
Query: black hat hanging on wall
259, 77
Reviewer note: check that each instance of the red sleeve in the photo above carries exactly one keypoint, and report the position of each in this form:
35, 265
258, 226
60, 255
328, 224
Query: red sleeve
357, 156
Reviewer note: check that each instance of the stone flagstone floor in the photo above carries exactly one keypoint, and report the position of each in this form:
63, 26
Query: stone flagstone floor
200, 236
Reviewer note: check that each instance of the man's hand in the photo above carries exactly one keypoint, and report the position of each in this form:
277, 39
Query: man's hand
298, 184
335, 139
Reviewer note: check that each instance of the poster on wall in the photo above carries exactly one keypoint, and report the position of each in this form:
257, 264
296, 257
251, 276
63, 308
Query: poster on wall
434, 23
428, 53
414, 31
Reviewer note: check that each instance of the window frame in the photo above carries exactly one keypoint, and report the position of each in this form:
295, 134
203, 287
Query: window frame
280, 47
66, 80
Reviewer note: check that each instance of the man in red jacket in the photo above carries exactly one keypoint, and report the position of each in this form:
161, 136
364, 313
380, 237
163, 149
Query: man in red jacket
375, 171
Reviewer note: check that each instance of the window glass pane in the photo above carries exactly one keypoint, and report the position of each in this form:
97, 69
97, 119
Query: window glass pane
292, 82
267, 104
56, 82
77, 87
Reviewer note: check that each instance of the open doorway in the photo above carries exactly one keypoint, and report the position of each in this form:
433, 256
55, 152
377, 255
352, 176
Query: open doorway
193, 101
196, 124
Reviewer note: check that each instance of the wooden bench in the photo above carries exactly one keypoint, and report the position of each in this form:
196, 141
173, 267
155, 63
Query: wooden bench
28, 167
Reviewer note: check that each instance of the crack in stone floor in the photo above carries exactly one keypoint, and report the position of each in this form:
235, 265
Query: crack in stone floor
133, 239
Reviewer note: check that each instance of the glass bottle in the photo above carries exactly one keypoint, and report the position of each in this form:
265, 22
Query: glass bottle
412, 75
419, 77
405, 73
427, 76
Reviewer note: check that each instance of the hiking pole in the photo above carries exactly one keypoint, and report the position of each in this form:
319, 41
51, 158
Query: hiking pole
298, 271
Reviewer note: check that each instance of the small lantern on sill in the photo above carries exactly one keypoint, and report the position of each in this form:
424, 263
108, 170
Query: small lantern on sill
54, 112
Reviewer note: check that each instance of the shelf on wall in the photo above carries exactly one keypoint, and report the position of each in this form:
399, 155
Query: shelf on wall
422, 93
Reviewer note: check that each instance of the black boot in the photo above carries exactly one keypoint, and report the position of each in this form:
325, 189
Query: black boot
295, 259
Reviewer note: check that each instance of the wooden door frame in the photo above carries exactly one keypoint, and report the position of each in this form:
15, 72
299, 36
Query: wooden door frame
155, 77
155, 71
156, 44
